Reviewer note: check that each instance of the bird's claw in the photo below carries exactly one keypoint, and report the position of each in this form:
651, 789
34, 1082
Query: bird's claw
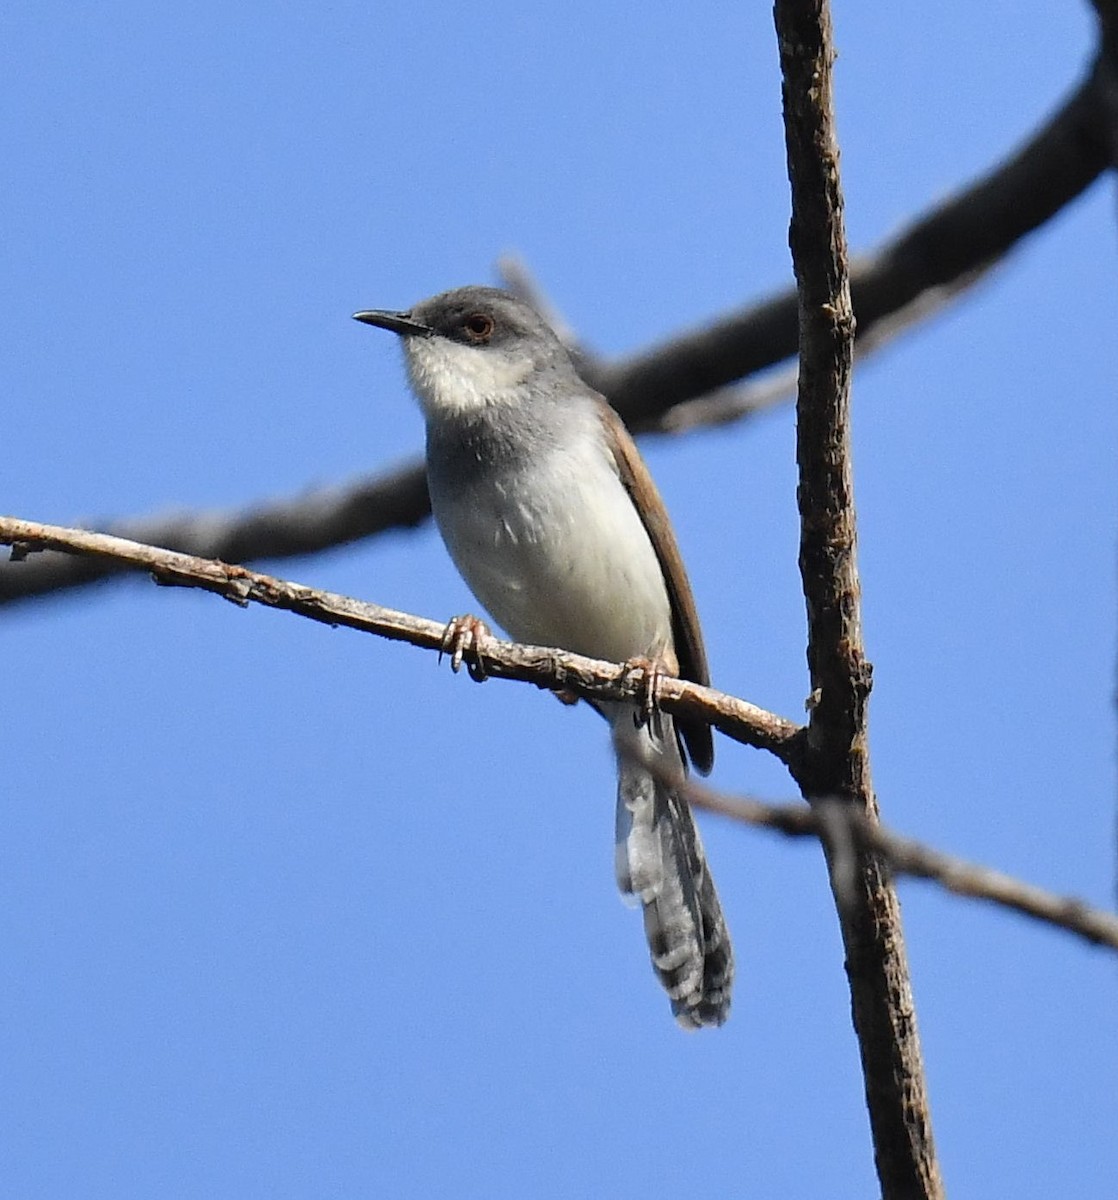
651, 672
462, 640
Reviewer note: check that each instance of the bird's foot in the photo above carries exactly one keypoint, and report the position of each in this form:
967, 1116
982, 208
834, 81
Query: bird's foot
463, 640
651, 673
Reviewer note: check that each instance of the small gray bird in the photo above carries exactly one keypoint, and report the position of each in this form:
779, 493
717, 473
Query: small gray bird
555, 524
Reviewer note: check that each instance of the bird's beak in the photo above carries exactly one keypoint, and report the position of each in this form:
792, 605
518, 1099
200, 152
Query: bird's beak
396, 322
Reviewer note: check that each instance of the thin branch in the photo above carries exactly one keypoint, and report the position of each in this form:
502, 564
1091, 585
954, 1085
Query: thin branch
908, 277
306, 524
836, 762
904, 856
546, 668
551, 669
729, 405
740, 401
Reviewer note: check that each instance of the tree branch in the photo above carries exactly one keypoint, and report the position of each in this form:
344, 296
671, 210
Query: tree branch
552, 669
904, 856
939, 255
1107, 13
836, 761
396, 499
556, 670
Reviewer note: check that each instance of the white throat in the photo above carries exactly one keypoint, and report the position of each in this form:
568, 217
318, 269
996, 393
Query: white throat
449, 377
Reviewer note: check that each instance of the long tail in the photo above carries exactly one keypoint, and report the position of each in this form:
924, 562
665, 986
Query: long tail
660, 860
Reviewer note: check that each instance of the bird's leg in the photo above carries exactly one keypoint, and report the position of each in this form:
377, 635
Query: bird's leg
462, 640
651, 673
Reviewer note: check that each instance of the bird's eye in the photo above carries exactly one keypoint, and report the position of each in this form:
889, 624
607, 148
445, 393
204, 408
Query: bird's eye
478, 327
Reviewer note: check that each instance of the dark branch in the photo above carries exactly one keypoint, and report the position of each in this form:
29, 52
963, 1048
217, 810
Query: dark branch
941, 253
304, 525
836, 760
552, 669
1107, 71
905, 856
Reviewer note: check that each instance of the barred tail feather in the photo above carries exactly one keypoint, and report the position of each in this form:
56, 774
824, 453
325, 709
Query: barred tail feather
660, 861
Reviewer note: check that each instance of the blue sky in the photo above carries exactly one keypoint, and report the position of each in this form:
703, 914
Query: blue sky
290, 912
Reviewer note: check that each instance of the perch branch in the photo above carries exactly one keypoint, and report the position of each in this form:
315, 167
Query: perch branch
736, 718
553, 669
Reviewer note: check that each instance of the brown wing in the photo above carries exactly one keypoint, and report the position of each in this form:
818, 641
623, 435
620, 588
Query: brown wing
685, 619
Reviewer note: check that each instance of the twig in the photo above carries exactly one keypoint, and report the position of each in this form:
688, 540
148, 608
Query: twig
836, 762
735, 718
729, 405
739, 401
905, 856
547, 668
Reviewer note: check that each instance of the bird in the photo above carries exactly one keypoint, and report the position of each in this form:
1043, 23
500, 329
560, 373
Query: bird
552, 519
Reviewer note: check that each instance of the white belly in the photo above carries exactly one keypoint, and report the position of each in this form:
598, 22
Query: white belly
565, 562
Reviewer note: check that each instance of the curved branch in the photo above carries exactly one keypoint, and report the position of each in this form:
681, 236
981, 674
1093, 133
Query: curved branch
555, 670
736, 718
317, 521
939, 255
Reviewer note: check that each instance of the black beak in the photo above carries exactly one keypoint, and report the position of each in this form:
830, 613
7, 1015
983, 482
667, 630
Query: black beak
396, 322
